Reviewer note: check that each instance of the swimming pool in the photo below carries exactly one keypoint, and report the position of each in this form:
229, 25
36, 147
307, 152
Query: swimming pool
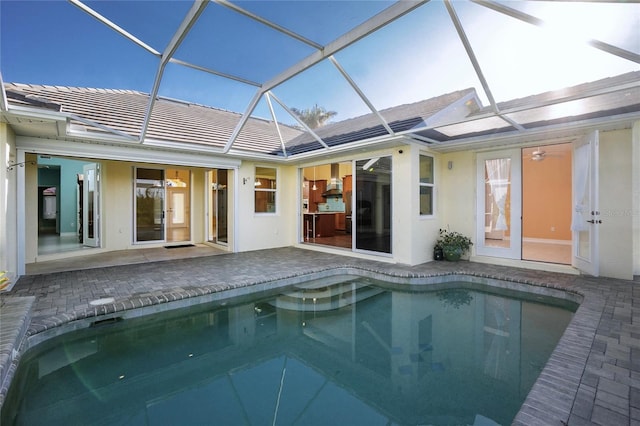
340, 350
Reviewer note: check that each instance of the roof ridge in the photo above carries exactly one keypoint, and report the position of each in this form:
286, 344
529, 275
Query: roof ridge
455, 92
630, 76
396, 107
73, 88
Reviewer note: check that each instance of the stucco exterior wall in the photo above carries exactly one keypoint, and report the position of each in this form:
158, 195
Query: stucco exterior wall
416, 234
404, 234
412, 235
117, 205
8, 214
615, 196
618, 169
31, 208
116, 210
198, 205
456, 195
267, 230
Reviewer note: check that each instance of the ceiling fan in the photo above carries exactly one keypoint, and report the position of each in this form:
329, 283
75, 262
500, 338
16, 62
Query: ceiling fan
539, 154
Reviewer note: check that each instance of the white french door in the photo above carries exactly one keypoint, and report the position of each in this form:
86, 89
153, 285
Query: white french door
91, 205
499, 204
585, 217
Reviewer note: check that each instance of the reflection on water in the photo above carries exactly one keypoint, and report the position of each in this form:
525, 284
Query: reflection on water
339, 353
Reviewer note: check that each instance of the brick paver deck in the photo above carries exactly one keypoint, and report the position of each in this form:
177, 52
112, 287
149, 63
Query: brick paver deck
592, 377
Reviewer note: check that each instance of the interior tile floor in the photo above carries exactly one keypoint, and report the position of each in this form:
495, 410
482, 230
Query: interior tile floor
540, 251
592, 377
54, 243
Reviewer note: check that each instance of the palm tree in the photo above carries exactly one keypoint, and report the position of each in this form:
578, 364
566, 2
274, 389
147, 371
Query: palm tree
314, 117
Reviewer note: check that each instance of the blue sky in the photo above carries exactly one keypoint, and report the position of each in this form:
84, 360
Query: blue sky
417, 57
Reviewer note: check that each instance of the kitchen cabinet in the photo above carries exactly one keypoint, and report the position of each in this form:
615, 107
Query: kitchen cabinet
315, 196
318, 225
340, 222
346, 183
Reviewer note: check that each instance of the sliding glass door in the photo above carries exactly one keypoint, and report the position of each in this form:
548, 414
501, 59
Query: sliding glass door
372, 205
150, 205
218, 206
162, 205
178, 199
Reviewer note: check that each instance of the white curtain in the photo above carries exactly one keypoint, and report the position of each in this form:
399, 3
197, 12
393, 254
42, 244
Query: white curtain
581, 165
498, 173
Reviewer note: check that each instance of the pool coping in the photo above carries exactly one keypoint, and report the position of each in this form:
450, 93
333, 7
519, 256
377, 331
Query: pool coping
550, 400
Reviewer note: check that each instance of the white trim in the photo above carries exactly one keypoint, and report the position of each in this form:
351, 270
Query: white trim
514, 251
235, 243
557, 131
431, 185
590, 265
21, 246
275, 190
381, 257
354, 228
635, 194
132, 153
4, 103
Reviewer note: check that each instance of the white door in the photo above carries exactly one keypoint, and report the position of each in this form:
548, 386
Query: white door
91, 205
499, 204
585, 217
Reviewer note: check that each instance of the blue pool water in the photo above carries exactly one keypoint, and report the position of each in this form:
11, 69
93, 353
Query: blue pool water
343, 351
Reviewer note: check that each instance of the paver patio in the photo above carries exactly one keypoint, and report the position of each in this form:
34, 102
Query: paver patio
592, 377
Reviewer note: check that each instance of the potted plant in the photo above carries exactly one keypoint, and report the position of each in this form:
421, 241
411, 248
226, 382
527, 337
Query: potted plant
453, 244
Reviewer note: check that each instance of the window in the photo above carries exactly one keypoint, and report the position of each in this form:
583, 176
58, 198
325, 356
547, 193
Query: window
426, 185
265, 190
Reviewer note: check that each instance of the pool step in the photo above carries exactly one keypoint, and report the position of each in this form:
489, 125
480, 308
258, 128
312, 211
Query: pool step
15, 316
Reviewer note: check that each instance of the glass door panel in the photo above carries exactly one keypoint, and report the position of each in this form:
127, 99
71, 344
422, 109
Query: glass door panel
90, 205
372, 211
585, 212
499, 204
178, 205
150, 203
497, 173
222, 207
218, 207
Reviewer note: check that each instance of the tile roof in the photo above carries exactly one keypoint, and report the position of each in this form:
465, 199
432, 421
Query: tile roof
177, 121
199, 125
400, 118
171, 120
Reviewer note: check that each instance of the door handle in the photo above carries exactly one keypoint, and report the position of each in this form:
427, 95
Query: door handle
596, 222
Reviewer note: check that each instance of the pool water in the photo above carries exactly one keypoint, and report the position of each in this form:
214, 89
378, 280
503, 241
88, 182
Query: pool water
347, 351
